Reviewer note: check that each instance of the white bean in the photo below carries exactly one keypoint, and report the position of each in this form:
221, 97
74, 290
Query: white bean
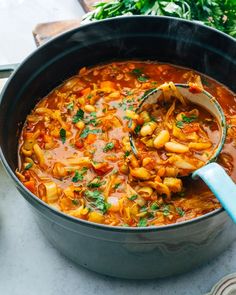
175, 147
162, 138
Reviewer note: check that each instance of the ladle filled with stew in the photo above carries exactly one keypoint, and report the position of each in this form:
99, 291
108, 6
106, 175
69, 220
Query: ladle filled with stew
171, 120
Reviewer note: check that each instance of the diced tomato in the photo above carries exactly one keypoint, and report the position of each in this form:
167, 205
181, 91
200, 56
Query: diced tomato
79, 143
101, 168
30, 185
91, 138
191, 127
194, 88
86, 91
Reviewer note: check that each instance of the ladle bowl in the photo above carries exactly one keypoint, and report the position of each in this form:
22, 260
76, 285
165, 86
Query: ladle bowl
211, 173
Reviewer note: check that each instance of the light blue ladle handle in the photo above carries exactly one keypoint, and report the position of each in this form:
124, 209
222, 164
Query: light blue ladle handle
221, 185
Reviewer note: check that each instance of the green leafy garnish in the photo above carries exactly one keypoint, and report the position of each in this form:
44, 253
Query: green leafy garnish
28, 166
137, 129
63, 135
142, 222
133, 197
94, 184
180, 211
70, 106
127, 153
166, 210
79, 176
155, 206
219, 14
108, 146
139, 75
98, 200
142, 78
137, 72
117, 185
78, 116
75, 202
179, 124
189, 119
88, 131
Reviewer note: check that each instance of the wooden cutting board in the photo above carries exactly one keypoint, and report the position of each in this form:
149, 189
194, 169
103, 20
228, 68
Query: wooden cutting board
45, 31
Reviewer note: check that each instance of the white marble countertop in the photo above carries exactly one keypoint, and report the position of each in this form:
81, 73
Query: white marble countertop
29, 264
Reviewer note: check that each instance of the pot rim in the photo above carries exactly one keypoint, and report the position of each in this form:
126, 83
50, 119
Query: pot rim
81, 221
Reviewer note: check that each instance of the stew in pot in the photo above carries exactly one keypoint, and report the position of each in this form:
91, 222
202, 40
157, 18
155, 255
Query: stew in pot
75, 154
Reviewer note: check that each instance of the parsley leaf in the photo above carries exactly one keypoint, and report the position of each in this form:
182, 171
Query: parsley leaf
28, 166
180, 211
137, 129
155, 206
99, 201
88, 131
108, 146
179, 124
133, 197
166, 210
78, 116
142, 222
70, 106
189, 119
94, 184
142, 78
75, 202
79, 175
63, 135
117, 185
127, 153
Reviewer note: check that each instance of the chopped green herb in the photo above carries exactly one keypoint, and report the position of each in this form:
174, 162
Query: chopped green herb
143, 209
130, 108
70, 106
166, 210
89, 96
88, 131
189, 119
94, 184
137, 72
142, 222
180, 211
28, 166
78, 116
63, 135
142, 78
179, 124
75, 202
99, 201
93, 114
139, 75
137, 129
108, 146
79, 175
155, 206
133, 197
117, 185
127, 153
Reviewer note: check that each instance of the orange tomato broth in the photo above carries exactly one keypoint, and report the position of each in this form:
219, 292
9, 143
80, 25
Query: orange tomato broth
74, 150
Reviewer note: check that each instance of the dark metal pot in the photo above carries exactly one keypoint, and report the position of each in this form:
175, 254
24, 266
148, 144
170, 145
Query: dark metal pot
121, 252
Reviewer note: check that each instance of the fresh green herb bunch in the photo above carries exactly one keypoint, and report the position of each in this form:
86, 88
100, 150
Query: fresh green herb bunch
219, 14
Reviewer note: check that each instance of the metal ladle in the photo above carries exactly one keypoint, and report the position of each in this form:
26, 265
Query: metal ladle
211, 173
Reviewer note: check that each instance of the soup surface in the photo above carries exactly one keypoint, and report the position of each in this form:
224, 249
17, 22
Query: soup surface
75, 154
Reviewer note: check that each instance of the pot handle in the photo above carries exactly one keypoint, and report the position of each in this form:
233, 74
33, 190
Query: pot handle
221, 185
5, 72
